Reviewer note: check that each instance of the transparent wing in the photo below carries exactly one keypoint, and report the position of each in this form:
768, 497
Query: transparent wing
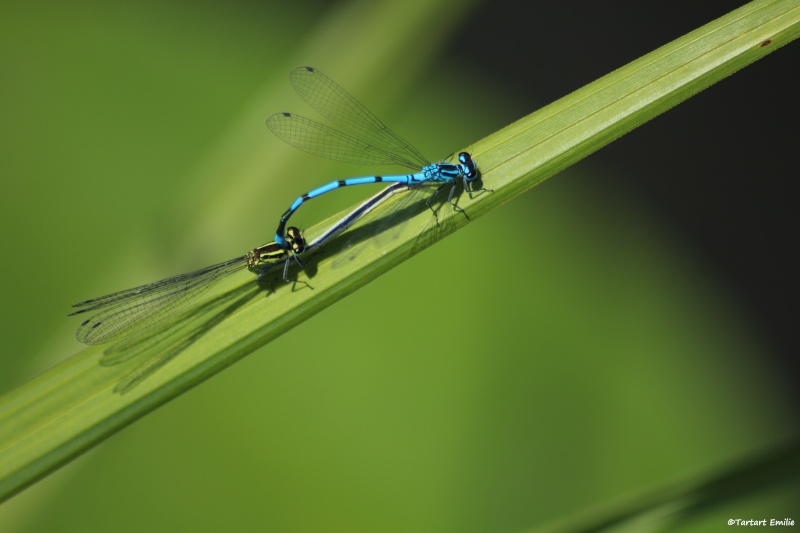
347, 114
122, 313
173, 330
324, 141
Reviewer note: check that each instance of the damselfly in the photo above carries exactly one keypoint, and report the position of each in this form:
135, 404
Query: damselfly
363, 139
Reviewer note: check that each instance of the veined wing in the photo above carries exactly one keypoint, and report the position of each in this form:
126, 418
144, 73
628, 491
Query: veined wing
345, 112
324, 141
122, 313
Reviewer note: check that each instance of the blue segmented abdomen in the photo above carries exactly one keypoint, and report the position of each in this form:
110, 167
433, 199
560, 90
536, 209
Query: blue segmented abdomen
407, 179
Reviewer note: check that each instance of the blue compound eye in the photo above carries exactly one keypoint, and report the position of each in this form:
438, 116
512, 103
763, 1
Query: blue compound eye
465, 159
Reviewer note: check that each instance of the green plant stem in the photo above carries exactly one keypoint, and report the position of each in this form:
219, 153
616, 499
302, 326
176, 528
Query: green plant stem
669, 507
68, 409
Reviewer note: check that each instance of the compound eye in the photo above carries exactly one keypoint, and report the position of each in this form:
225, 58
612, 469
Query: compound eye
465, 158
295, 239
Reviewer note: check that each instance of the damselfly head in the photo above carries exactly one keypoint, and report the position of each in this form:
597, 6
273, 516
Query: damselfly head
295, 240
466, 160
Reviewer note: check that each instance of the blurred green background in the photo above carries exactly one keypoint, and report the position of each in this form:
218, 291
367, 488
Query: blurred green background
574, 347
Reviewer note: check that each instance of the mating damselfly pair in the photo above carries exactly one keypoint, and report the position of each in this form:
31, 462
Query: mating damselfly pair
361, 138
